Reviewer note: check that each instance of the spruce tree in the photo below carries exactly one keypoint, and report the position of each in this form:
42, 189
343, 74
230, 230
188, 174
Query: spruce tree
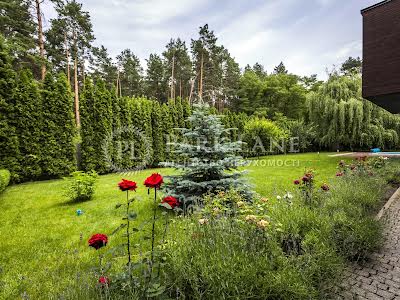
207, 160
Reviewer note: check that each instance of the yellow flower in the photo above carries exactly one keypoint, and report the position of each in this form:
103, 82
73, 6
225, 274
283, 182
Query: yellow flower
203, 221
241, 204
264, 199
251, 218
262, 224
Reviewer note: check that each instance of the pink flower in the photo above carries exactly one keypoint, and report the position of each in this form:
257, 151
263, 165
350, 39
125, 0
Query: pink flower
104, 281
325, 187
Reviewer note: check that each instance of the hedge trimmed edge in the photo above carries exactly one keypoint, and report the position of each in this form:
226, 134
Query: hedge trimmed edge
5, 176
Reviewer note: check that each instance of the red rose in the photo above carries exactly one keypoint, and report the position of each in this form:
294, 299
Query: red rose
154, 181
305, 178
172, 201
296, 182
339, 174
98, 240
104, 281
127, 185
325, 187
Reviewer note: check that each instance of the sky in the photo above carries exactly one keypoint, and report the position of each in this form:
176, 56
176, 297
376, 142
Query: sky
309, 36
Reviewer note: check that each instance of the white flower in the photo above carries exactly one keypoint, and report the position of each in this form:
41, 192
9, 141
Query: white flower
278, 197
288, 195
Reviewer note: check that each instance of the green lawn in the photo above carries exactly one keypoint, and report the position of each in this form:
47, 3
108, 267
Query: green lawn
43, 246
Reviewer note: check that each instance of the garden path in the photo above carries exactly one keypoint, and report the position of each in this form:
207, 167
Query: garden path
379, 278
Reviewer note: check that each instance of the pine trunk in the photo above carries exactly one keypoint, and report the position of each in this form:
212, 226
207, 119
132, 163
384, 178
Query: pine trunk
201, 78
40, 38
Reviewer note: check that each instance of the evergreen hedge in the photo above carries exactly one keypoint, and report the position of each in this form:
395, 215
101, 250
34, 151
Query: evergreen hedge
5, 177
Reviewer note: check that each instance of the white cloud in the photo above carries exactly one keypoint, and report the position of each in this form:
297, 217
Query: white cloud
307, 36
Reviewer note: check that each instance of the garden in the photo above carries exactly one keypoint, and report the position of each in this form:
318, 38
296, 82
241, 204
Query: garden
190, 178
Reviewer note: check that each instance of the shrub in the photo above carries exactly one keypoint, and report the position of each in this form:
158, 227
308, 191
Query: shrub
259, 134
5, 176
81, 186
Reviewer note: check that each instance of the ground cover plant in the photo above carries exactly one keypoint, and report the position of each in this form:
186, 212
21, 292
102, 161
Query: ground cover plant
55, 260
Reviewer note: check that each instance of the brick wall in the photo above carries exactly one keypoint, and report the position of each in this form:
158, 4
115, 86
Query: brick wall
381, 49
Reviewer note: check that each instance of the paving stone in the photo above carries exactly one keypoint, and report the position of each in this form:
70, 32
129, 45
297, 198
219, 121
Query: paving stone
379, 278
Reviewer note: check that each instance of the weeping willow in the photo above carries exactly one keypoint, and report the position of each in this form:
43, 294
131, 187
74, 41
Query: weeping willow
344, 120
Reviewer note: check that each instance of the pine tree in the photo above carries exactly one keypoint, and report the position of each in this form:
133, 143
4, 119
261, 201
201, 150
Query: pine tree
156, 82
207, 161
131, 74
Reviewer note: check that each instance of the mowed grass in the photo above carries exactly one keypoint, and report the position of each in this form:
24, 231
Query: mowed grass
43, 243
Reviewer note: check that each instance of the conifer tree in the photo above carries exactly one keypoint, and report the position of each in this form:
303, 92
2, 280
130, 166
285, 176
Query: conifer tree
9, 149
207, 161
157, 133
88, 155
27, 121
102, 123
58, 157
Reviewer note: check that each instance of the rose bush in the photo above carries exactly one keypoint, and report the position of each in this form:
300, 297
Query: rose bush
127, 185
154, 181
98, 240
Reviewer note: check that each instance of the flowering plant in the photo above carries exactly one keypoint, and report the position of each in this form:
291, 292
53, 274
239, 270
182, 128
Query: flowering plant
154, 181
98, 240
306, 185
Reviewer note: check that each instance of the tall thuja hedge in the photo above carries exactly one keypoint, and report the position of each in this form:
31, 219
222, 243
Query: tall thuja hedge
9, 149
27, 120
59, 131
157, 124
88, 155
343, 120
96, 125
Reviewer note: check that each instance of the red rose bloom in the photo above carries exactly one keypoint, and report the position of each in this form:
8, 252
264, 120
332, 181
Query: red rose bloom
127, 185
325, 187
305, 178
339, 174
296, 182
104, 281
172, 201
98, 240
154, 181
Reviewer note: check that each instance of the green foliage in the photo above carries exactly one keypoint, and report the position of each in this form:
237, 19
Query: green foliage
5, 177
207, 159
263, 136
9, 143
58, 157
279, 92
97, 118
343, 120
81, 186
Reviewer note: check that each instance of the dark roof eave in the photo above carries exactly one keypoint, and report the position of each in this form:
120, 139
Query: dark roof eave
375, 6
